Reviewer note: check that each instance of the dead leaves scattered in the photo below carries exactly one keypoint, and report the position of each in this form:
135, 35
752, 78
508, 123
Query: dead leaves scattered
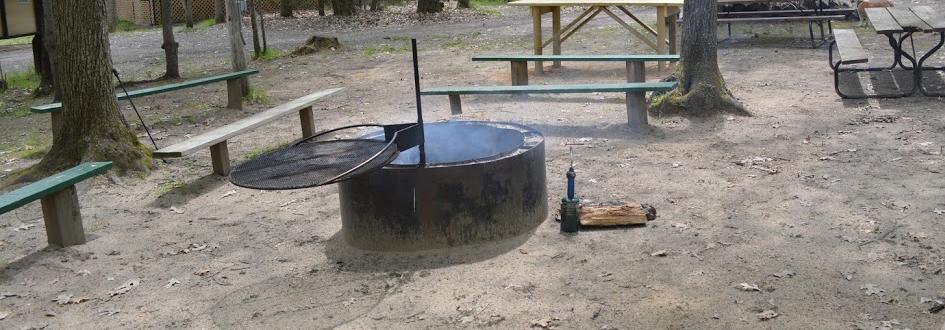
748, 287
124, 288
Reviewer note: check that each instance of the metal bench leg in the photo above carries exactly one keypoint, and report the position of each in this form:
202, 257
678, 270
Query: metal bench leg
234, 94
220, 156
941, 41
307, 116
636, 101
456, 107
835, 66
519, 73
810, 27
63, 219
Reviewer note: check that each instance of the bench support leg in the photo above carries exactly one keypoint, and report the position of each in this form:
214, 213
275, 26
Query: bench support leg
519, 73
63, 218
56, 121
556, 34
536, 30
234, 94
308, 121
220, 156
636, 101
456, 107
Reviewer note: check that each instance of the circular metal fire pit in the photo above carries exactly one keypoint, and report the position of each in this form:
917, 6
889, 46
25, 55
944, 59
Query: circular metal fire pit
483, 181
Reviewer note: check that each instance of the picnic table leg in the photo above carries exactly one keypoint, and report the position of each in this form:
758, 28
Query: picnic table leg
55, 119
234, 94
536, 31
636, 101
220, 156
671, 26
307, 116
519, 73
941, 41
661, 33
556, 34
456, 107
62, 218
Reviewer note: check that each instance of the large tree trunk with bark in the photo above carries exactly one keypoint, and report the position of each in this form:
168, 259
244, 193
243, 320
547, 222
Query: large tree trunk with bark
172, 70
344, 7
219, 11
429, 6
285, 8
92, 129
701, 90
41, 60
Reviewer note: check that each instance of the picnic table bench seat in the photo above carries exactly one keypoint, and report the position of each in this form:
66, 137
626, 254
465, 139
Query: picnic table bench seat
60, 202
520, 62
786, 16
233, 92
635, 91
216, 139
849, 51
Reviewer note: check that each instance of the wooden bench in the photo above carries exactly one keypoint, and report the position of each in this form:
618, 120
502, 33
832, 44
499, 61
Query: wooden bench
636, 94
233, 93
784, 16
216, 139
520, 62
851, 51
59, 200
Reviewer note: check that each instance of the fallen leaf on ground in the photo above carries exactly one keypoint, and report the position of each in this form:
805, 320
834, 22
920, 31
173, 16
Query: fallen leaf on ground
748, 287
25, 226
172, 282
8, 295
784, 273
176, 210
4, 315
680, 226
107, 312
202, 272
131, 284
767, 315
872, 289
938, 211
228, 194
545, 323
660, 253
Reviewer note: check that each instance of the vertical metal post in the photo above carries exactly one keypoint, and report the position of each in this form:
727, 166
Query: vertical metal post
416, 85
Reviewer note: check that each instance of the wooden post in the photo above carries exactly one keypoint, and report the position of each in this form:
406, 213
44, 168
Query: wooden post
55, 118
62, 218
189, 13
661, 33
456, 107
308, 121
671, 24
556, 34
519, 73
234, 94
220, 156
536, 31
234, 15
636, 101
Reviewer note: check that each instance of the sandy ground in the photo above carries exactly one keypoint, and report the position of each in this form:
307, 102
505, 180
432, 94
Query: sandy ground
845, 234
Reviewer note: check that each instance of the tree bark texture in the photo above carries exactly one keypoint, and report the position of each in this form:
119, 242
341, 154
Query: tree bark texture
172, 70
219, 11
463, 4
189, 13
286, 8
321, 7
236, 41
91, 126
41, 60
429, 6
344, 7
251, 7
701, 89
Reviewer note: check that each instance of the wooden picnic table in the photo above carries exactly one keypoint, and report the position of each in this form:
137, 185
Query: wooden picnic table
901, 23
664, 32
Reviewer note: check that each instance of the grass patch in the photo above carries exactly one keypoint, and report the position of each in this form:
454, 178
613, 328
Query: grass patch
256, 96
28, 80
372, 50
255, 153
35, 147
269, 55
24, 40
486, 11
461, 41
485, 3
202, 25
126, 26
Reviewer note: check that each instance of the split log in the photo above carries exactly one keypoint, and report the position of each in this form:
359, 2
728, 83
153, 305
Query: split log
616, 214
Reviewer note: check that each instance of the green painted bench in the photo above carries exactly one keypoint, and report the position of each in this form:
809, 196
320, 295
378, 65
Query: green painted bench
233, 93
636, 94
59, 200
216, 138
520, 62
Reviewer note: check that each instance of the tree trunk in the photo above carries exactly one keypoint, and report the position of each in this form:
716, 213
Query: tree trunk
262, 31
219, 11
463, 4
285, 8
170, 45
50, 41
189, 13
91, 126
236, 41
41, 60
377, 5
251, 7
112, 14
344, 7
429, 6
701, 89
321, 7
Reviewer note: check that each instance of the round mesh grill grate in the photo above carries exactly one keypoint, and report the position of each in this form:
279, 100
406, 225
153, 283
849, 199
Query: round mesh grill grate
311, 163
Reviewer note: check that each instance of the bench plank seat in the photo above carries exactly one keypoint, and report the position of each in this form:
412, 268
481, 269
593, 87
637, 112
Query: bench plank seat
850, 49
55, 107
551, 89
784, 13
882, 21
581, 58
781, 19
50, 185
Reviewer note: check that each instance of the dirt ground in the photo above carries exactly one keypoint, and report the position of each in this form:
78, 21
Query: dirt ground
836, 226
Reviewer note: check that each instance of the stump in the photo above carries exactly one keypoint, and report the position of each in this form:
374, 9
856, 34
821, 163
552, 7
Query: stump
316, 44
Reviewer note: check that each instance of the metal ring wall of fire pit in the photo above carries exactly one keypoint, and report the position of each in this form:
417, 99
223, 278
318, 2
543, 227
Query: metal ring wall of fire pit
483, 181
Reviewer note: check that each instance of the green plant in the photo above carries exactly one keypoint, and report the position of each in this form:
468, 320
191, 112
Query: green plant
487, 12
256, 96
478, 3
28, 79
35, 147
269, 55
253, 154
17, 41
126, 26
202, 25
